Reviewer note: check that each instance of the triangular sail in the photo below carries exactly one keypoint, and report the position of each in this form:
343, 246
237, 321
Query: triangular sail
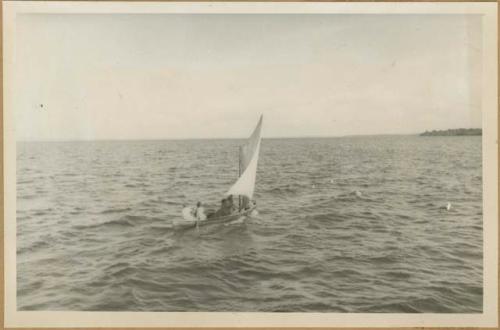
249, 158
248, 149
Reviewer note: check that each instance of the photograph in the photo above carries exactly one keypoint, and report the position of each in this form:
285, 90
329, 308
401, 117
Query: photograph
295, 162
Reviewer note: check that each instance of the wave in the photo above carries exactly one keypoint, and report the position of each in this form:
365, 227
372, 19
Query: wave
121, 222
123, 272
162, 229
404, 275
279, 191
36, 246
136, 185
116, 210
391, 308
124, 222
27, 196
388, 259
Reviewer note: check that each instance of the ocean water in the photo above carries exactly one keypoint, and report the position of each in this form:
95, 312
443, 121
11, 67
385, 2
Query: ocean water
355, 224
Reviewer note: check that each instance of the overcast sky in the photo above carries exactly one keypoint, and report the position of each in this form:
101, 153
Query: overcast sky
196, 76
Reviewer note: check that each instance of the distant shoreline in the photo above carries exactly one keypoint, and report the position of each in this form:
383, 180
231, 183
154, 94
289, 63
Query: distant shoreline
455, 132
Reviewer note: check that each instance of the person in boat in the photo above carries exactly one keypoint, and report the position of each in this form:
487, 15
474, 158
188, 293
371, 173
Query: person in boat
230, 204
200, 212
225, 209
188, 213
219, 212
226, 206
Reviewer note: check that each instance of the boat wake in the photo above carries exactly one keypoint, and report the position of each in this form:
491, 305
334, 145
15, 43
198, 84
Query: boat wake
236, 222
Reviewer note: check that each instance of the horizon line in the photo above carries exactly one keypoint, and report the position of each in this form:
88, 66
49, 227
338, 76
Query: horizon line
218, 138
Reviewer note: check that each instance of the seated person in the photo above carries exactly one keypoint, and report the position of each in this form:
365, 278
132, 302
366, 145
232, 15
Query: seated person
200, 212
227, 207
230, 205
222, 211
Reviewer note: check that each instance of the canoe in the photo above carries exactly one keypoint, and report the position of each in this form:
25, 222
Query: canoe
187, 224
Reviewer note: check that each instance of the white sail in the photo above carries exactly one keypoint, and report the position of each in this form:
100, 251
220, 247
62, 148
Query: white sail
247, 150
245, 184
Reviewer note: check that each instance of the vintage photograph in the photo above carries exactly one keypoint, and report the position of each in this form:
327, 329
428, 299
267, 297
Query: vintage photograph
219, 162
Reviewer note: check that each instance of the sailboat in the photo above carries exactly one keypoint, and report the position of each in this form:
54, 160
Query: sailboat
244, 186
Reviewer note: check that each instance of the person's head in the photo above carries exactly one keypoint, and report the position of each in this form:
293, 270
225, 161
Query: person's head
230, 198
198, 204
223, 201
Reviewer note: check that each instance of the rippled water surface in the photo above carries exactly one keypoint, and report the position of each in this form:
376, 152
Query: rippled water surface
353, 224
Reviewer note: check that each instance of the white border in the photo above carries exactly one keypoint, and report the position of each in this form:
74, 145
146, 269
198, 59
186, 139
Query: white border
488, 318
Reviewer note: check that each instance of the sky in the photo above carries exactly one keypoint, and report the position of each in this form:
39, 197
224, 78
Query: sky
176, 76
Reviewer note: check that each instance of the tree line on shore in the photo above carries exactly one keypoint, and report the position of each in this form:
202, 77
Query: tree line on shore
454, 132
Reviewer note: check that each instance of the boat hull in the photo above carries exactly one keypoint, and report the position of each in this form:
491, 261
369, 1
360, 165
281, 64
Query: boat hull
186, 224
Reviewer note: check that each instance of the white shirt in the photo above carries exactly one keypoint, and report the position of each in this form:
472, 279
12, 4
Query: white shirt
200, 213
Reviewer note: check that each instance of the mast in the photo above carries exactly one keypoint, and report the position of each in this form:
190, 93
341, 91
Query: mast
239, 174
